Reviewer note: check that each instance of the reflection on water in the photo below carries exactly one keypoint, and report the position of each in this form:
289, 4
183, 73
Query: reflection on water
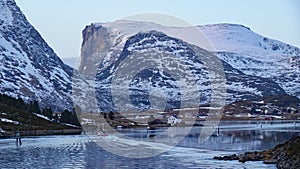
242, 140
228, 136
79, 152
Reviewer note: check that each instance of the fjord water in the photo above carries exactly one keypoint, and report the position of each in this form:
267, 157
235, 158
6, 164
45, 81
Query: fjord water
81, 152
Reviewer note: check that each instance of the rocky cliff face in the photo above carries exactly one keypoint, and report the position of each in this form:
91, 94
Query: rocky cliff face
29, 68
117, 43
92, 37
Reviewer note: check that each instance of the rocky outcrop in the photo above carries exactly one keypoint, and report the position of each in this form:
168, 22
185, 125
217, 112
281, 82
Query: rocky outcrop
95, 45
285, 156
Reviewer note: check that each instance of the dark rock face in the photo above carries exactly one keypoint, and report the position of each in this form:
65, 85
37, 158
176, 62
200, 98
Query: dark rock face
96, 43
29, 68
285, 156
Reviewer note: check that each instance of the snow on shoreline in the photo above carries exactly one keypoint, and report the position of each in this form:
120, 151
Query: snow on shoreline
42, 116
5, 120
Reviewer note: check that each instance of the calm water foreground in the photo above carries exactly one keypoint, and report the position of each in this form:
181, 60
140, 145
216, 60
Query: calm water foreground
81, 152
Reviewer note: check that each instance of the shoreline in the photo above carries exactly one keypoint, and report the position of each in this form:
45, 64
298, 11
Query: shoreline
11, 134
122, 124
77, 131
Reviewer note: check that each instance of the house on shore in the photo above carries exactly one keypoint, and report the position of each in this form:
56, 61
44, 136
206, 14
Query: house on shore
174, 120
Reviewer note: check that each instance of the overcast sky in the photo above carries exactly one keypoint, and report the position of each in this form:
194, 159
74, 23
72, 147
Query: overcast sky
61, 21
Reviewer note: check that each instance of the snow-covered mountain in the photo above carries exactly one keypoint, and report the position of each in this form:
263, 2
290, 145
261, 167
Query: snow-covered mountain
240, 39
254, 66
256, 55
237, 45
29, 68
106, 46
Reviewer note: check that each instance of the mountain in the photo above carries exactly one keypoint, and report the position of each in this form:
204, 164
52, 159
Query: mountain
70, 61
107, 46
256, 55
29, 68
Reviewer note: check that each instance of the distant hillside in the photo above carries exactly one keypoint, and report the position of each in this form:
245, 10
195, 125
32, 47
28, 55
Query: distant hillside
70, 61
283, 105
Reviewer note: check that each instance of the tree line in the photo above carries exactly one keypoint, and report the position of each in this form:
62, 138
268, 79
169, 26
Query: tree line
11, 104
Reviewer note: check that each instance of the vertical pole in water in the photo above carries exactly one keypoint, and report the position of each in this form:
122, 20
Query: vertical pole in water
260, 125
147, 132
18, 138
17, 141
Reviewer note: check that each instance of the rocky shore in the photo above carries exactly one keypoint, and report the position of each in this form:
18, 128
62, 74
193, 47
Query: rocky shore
285, 156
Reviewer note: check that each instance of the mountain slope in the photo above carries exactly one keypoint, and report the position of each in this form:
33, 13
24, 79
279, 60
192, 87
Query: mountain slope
256, 55
29, 68
240, 39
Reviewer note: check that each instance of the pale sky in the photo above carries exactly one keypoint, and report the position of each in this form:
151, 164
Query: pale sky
61, 22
